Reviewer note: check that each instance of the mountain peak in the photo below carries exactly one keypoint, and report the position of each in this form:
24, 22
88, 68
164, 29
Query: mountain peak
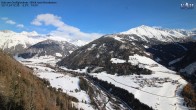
49, 40
6, 31
33, 33
136, 30
143, 26
147, 31
144, 32
48, 47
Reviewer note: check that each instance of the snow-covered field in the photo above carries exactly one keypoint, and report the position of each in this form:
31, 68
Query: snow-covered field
66, 82
161, 90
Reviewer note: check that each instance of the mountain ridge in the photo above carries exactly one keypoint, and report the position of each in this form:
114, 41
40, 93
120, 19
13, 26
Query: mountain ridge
48, 47
99, 52
166, 35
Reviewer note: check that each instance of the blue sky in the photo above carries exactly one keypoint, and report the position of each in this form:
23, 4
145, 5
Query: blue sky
100, 16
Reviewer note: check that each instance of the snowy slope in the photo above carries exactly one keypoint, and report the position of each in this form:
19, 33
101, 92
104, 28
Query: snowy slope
78, 42
160, 90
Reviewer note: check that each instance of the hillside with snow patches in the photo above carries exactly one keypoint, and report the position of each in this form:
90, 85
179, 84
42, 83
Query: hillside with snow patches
156, 44
58, 49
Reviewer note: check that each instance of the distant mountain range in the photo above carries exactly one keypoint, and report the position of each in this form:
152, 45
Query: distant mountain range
161, 34
49, 47
13, 42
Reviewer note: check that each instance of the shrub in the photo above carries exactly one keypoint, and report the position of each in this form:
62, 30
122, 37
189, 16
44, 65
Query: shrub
189, 95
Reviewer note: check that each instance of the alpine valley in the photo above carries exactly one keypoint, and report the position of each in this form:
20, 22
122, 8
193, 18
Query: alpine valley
144, 68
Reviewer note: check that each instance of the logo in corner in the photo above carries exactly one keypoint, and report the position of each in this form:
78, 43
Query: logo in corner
186, 5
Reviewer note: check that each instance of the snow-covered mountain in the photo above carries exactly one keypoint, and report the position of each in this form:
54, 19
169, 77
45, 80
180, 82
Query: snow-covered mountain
78, 42
161, 45
164, 35
13, 42
49, 48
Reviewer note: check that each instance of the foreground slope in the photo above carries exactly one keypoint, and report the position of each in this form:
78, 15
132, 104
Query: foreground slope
21, 90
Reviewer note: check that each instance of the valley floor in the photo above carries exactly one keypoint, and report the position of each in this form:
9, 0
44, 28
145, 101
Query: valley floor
161, 90
65, 81
44, 67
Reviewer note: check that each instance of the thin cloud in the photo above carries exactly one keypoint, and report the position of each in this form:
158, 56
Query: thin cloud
4, 18
10, 22
20, 25
62, 29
